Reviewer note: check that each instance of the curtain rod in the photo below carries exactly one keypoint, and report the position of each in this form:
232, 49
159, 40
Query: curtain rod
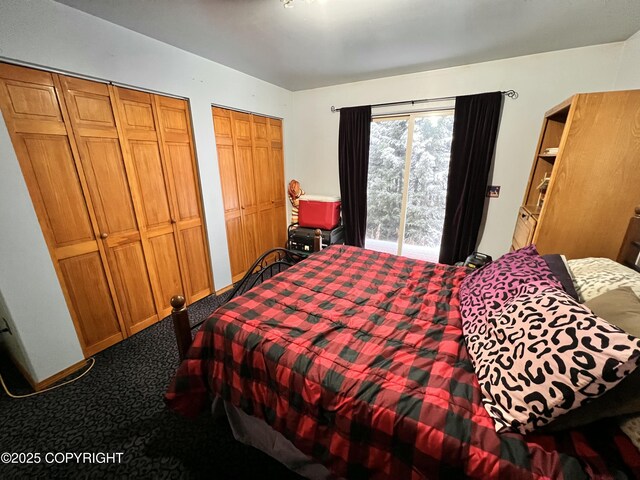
509, 93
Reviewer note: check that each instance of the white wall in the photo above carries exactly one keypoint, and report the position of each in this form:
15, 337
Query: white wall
541, 80
42, 32
629, 72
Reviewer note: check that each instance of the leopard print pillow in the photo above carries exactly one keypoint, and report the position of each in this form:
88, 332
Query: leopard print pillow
595, 276
484, 292
544, 355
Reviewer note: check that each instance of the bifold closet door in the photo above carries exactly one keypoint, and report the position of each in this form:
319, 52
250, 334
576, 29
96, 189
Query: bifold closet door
38, 124
230, 194
278, 193
158, 140
175, 131
113, 179
251, 168
103, 164
147, 175
263, 173
246, 176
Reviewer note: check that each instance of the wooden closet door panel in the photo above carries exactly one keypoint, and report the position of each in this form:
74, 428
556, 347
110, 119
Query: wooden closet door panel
89, 107
236, 243
133, 286
90, 298
197, 262
33, 102
280, 225
176, 138
222, 124
57, 186
223, 130
166, 267
241, 125
262, 177
266, 238
151, 184
277, 161
260, 131
245, 177
277, 177
227, 167
29, 101
174, 123
104, 169
277, 181
185, 181
251, 231
136, 114
275, 131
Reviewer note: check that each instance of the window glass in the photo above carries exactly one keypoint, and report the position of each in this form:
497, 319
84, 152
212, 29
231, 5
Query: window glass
387, 153
427, 192
417, 206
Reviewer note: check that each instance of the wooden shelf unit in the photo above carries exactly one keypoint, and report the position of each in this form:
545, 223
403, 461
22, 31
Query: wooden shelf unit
594, 178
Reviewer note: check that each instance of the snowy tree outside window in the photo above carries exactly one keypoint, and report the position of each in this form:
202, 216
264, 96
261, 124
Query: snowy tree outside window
424, 192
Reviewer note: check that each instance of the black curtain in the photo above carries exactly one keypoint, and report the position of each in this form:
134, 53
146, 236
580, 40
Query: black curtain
475, 127
353, 166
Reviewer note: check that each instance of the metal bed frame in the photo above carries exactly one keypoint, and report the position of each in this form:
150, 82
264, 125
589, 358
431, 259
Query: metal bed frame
270, 263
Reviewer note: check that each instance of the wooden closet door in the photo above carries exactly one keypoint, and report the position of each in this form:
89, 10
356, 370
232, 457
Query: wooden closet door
150, 188
263, 172
40, 131
252, 179
176, 137
278, 192
230, 195
242, 138
94, 127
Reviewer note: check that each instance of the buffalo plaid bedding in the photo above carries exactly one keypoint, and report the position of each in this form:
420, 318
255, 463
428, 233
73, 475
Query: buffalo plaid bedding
358, 358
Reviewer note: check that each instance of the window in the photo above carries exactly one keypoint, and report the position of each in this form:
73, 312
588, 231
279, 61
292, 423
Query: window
407, 185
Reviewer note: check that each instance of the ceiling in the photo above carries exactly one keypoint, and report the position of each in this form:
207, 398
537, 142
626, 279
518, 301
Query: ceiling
328, 42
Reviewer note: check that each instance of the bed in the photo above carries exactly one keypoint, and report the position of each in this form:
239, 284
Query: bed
354, 364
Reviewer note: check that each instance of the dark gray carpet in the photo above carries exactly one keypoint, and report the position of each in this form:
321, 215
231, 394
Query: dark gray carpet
118, 407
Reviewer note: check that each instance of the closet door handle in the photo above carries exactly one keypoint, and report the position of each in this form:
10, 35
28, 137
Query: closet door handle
173, 220
104, 235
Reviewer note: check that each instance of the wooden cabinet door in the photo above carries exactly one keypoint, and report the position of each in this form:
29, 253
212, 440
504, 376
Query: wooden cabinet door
174, 126
92, 117
40, 132
150, 189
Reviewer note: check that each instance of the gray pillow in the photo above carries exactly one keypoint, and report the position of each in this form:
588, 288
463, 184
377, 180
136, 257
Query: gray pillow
620, 307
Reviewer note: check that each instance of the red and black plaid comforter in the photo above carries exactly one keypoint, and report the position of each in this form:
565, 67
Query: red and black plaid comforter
358, 358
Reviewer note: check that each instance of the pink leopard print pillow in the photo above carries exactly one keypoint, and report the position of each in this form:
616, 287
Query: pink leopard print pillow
483, 293
545, 354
